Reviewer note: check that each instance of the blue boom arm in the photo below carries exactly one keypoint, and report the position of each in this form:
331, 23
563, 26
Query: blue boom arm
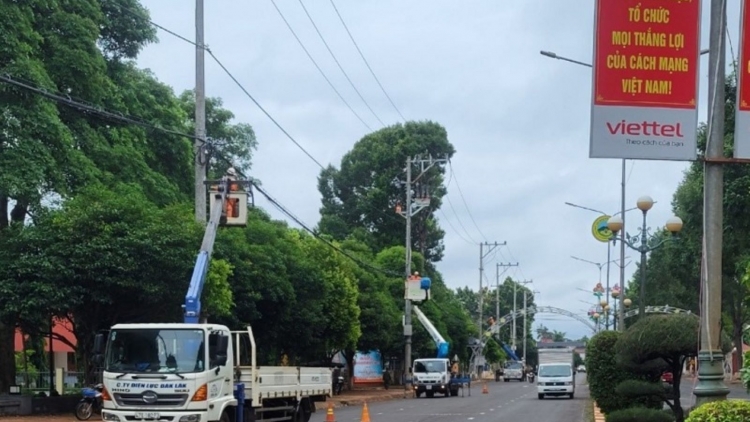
192, 306
442, 345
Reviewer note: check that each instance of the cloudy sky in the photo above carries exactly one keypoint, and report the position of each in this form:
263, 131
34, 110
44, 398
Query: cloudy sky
519, 121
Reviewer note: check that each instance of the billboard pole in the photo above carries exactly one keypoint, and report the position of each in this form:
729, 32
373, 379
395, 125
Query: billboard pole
711, 385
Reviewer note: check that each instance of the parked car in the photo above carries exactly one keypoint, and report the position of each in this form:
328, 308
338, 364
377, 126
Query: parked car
581, 368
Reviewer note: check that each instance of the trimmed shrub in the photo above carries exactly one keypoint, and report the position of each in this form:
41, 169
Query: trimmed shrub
640, 414
721, 411
604, 375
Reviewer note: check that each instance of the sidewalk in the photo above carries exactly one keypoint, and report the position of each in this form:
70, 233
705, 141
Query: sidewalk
358, 396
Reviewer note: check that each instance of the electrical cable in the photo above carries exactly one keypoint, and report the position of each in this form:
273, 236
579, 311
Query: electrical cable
92, 109
322, 73
464, 201
372, 72
346, 75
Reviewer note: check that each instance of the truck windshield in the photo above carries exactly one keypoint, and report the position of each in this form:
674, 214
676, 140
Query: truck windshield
156, 350
514, 365
429, 366
555, 371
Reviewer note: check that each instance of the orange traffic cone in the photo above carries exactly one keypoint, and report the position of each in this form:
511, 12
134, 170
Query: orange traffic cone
365, 414
484, 388
330, 417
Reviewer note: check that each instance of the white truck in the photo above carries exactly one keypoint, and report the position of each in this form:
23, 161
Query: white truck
433, 376
555, 375
200, 372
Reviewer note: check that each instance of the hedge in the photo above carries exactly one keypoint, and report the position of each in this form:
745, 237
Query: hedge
721, 411
604, 375
640, 414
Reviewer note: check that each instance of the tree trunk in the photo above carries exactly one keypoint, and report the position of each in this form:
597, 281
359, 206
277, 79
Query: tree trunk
7, 356
677, 366
349, 356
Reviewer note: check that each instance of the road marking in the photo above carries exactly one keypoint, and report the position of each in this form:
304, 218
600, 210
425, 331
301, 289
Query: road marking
482, 413
471, 419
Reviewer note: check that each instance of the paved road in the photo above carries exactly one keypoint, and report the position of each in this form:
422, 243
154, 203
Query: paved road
505, 402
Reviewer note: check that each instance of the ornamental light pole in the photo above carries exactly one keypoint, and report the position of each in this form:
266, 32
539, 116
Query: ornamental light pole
643, 242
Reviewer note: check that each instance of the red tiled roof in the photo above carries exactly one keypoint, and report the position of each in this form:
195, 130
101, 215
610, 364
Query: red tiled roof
62, 328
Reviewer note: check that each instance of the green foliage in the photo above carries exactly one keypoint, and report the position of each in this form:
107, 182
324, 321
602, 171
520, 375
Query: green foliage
577, 359
493, 353
357, 197
670, 337
674, 269
640, 414
217, 291
604, 374
639, 388
721, 411
745, 371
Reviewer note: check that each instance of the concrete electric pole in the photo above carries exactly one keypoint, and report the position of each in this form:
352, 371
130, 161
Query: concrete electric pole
483, 254
413, 206
200, 116
711, 386
497, 288
515, 310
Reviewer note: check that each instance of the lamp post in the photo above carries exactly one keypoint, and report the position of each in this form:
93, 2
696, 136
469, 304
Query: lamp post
615, 294
643, 243
601, 265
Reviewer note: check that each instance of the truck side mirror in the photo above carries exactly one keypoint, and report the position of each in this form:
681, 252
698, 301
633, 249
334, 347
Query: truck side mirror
219, 354
99, 344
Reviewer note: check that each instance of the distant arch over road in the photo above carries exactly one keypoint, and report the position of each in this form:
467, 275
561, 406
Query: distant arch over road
662, 309
502, 322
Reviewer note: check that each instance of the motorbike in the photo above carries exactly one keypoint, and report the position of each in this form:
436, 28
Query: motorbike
338, 385
530, 376
498, 374
90, 403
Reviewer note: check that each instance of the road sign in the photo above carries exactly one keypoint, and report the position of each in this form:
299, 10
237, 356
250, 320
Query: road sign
600, 230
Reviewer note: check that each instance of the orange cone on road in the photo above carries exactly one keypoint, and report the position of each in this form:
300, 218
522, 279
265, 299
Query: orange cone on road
330, 417
484, 388
365, 414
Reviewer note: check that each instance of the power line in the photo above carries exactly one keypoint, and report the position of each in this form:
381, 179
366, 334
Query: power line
304, 226
372, 72
339, 64
465, 204
318, 67
237, 82
89, 108
450, 204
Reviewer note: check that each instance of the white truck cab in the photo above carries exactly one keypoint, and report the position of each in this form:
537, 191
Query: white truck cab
192, 373
556, 379
513, 370
433, 376
556, 374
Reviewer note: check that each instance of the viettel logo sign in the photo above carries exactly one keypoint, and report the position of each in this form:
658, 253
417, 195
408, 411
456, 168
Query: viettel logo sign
645, 128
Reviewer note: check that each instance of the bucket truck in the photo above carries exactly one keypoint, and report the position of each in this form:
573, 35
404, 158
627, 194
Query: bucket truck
433, 375
198, 371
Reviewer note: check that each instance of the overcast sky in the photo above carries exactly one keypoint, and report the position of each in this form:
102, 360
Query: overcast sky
519, 121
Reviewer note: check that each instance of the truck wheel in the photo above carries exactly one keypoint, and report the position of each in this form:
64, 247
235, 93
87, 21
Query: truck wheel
541, 396
454, 393
225, 417
572, 395
505, 379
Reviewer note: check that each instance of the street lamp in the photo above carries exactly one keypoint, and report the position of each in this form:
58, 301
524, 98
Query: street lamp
643, 243
555, 56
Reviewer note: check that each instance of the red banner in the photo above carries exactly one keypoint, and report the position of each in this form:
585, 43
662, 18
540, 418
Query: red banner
743, 91
647, 53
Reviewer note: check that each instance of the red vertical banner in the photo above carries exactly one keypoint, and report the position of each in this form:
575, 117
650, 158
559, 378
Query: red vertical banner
645, 85
742, 117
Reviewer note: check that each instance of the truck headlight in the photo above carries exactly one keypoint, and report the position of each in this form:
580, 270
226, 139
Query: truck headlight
191, 418
569, 383
110, 417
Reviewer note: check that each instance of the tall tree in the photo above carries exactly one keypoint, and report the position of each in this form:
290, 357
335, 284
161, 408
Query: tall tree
673, 271
361, 196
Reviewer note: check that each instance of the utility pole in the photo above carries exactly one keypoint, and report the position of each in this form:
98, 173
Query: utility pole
413, 206
525, 312
200, 116
515, 309
497, 289
621, 315
483, 254
711, 385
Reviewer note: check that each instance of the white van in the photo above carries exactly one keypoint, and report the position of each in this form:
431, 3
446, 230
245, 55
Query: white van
556, 379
